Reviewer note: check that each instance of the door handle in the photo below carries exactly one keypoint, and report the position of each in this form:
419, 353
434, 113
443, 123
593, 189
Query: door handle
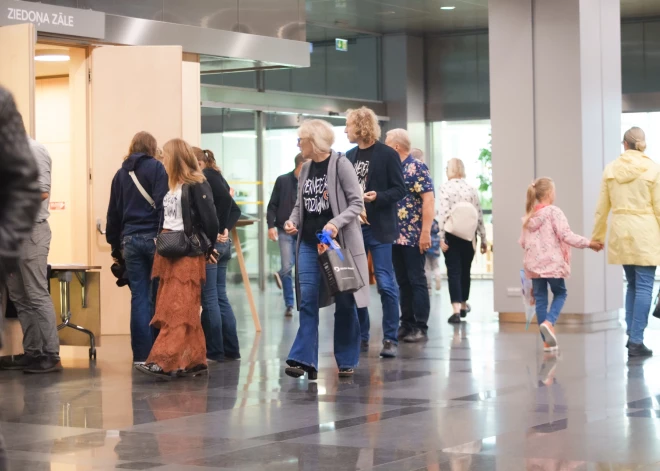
98, 227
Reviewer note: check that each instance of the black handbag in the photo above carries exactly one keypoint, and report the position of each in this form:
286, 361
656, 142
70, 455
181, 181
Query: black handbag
173, 244
190, 242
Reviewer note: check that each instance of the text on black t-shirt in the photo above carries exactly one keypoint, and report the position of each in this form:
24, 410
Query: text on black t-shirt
362, 162
316, 204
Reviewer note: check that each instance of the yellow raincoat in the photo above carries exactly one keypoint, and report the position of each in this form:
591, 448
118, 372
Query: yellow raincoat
631, 191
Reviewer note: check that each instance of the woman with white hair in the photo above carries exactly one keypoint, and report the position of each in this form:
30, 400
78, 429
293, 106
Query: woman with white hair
461, 219
329, 198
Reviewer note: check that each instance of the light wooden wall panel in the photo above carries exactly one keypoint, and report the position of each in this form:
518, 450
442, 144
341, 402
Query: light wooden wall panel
17, 44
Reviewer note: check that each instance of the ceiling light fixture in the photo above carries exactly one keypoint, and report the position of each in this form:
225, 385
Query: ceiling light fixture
52, 55
447, 8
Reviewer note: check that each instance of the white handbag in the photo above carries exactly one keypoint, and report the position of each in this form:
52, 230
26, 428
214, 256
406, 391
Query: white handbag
463, 221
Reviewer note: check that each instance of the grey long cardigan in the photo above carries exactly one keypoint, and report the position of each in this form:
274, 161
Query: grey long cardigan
346, 203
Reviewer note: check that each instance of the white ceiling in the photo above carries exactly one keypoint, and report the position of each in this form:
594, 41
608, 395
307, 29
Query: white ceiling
328, 19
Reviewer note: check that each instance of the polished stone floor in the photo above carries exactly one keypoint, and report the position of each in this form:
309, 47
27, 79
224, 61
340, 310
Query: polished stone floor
475, 397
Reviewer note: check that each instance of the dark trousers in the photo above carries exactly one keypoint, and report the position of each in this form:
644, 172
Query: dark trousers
413, 293
459, 261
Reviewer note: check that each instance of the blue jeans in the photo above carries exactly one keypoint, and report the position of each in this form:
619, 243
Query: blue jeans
305, 349
218, 319
381, 257
638, 300
288, 257
559, 295
139, 250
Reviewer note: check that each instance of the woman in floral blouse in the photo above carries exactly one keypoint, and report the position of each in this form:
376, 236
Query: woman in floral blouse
460, 221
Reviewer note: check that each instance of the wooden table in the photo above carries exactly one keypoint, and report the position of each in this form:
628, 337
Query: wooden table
64, 274
244, 273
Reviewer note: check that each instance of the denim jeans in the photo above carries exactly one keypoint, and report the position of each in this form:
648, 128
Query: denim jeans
139, 250
639, 297
218, 319
381, 257
305, 349
288, 257
559, 295
413, 292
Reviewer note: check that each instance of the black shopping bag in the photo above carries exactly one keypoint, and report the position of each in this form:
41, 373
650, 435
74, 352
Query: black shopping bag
339, 270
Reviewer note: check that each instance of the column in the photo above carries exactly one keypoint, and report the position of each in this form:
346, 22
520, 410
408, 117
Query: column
403, 86
555, 81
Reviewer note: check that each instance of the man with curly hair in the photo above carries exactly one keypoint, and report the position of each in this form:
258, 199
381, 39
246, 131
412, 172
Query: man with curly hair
378, 168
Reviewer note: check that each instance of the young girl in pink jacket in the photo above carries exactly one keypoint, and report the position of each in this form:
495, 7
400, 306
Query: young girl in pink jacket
547, 240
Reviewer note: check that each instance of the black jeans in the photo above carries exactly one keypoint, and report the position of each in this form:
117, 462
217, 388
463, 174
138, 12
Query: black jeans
413, 292
459, 261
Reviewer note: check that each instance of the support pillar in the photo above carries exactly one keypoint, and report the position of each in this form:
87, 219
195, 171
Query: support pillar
403, 86
555, 91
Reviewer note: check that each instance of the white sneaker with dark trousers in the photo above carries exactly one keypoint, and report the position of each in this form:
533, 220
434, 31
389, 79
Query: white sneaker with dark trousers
278, 280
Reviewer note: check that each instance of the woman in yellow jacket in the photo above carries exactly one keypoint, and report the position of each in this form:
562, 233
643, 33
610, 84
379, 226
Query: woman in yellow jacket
631, 191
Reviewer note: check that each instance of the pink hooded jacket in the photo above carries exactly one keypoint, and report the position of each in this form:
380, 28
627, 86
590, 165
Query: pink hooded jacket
547, 242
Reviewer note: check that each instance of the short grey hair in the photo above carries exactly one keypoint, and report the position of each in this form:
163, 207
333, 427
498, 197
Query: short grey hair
455, 169
320, 133
401, 137
417, 154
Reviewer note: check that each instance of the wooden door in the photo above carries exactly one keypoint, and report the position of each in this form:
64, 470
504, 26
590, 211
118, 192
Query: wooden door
132, 89
17, 43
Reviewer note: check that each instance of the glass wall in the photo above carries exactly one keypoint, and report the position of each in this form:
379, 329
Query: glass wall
231, 135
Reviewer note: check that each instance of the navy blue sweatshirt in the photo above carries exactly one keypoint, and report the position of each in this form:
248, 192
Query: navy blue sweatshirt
129, 213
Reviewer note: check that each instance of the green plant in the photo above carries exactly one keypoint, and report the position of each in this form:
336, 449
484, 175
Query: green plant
486, 177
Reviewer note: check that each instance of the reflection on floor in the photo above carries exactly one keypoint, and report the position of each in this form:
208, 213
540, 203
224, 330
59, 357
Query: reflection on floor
475, 397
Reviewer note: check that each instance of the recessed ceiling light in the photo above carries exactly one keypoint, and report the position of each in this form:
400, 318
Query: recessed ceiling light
52, 55
447, 8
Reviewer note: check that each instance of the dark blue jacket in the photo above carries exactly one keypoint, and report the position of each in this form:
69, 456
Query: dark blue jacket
385, 177
129, 212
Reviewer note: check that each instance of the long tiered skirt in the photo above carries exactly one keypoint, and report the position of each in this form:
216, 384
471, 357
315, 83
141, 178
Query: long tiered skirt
180, 345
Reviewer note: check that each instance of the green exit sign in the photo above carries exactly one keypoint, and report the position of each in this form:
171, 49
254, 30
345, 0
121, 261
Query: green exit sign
341, 44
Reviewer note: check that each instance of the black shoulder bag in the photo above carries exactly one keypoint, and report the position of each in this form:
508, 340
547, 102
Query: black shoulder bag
185, 243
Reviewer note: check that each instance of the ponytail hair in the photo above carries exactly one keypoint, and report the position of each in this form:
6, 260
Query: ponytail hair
538, 190
635, 138
207, 157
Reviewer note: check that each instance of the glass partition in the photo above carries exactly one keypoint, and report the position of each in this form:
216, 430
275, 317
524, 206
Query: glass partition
231, 135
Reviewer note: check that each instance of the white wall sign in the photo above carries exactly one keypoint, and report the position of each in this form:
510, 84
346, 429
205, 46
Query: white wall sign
53, 19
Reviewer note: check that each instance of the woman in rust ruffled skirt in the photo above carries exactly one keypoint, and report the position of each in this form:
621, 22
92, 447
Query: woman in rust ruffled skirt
180, 348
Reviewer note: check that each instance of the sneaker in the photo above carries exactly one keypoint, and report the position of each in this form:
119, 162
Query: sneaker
389, 349
278, 280
548, 332
288, 312
152, 369
16, 362
402, 332
136, 363
44, 364
346, 372
549, 348
364, 346
454, 319
639, 350
199, 370
416, 336
232, 357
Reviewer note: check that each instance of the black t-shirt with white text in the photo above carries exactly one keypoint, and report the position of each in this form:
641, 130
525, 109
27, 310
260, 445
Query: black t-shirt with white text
362, 162
316, 204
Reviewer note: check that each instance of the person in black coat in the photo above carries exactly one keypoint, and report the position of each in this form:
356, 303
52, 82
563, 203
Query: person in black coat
378, 168
218, 319
281, 204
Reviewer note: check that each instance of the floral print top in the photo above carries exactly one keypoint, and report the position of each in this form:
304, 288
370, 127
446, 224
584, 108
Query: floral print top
456, 191
409, 210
